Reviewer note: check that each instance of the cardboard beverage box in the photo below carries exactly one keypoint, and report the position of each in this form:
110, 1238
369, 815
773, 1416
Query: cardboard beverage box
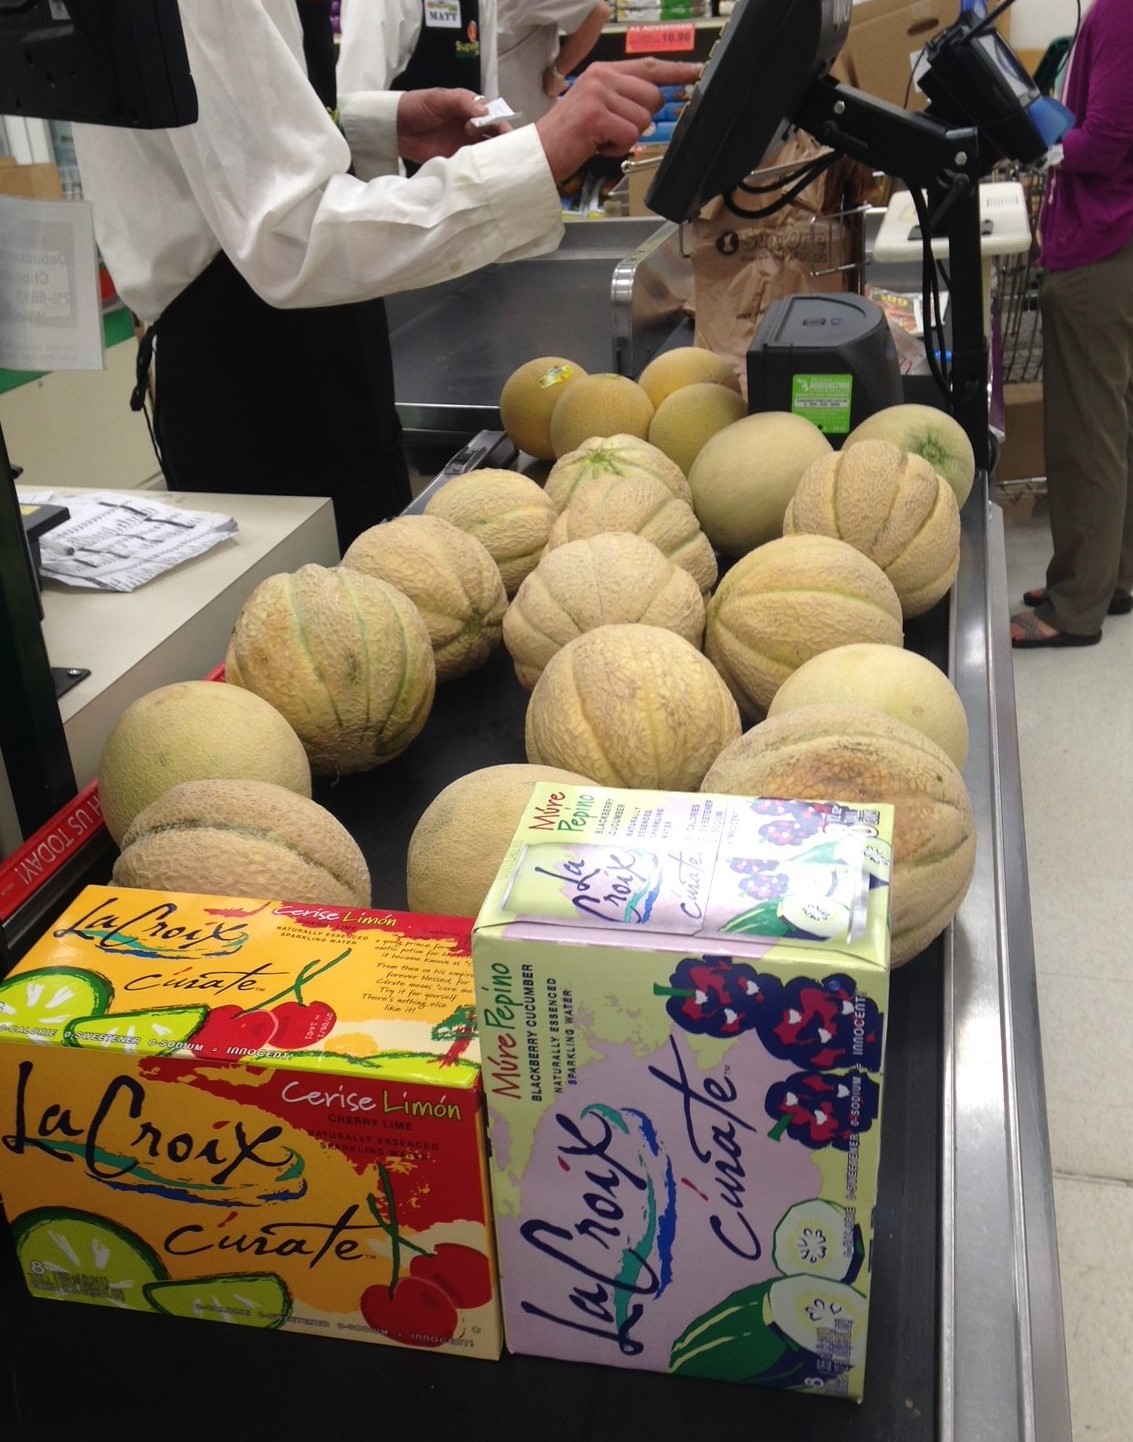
681, 1002
254, 1112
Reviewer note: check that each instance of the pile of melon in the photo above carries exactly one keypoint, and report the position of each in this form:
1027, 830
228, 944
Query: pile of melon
689, 598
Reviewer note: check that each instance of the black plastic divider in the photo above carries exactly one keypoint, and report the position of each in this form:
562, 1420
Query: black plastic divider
78, 1373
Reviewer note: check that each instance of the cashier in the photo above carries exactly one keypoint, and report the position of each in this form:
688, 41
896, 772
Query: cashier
257, 260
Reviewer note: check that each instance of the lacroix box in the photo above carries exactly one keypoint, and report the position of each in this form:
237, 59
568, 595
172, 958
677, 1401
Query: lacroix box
681, 1002
251, 1112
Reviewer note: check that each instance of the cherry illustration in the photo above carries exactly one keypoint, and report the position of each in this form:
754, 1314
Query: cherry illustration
229, 1031
415, 1312
301, 1023
461, 1271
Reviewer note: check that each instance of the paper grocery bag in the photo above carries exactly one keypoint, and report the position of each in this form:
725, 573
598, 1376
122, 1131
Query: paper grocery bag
744, 260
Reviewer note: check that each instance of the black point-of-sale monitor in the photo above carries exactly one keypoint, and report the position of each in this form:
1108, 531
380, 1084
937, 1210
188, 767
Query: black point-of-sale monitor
108, 62
768, 56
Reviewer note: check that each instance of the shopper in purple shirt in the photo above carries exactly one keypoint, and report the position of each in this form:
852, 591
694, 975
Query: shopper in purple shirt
1086, 250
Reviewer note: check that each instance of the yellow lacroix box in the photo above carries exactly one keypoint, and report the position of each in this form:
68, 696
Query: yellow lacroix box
253, 1112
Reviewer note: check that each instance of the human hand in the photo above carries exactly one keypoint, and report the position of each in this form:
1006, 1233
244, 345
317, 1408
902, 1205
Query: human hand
607, 109
554, 84
435, 122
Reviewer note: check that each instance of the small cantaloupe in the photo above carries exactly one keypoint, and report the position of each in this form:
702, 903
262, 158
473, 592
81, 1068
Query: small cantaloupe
890, 505
631, 705
461, 837
599, 405
626, 457
854, 754
788, 600
685, 365
510, 514
243, 838
688, 418
449, 576
529, 396
611, 577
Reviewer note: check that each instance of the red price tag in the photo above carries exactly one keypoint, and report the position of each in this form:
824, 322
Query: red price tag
659, 39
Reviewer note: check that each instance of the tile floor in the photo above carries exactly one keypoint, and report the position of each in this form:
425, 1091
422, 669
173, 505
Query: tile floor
1075, 723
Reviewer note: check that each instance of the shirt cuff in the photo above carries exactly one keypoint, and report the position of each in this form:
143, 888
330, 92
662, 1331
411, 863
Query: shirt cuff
513, 170
368, 119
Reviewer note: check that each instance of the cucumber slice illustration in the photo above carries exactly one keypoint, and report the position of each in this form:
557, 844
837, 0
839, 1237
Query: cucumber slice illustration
151, 1032
821, 1316
819, 915
817, 1239
81, 1257
39, 1004
250, 1299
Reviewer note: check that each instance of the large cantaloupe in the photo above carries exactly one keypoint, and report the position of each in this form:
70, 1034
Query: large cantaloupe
631, 706
599, 405
510, 514
746, 473
687, 419
243, 838
346, 658
685, 365
788, 600
449, 576
901, 683
627, 457
194, 730
645, 508
928, 432
853, 754
604, 579
461, 837
529, 396
890, 505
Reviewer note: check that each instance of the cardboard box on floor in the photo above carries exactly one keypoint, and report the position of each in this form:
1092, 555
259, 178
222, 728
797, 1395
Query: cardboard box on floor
1021, 457
885, 40
31, 182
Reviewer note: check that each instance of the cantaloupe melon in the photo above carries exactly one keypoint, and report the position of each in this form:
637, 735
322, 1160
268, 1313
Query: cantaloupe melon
928, 432
900, 683
529, 396
685, 365
510, 514
627, 457
645, 508
853, 754
688, 418
890, 505
631, 706
194, 730
461, 837
604, 579
746, 473
243, 838
788, 600
346, 658
449, 576
599, 405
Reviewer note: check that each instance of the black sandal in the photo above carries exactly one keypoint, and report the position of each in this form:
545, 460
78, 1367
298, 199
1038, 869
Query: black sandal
1121, 605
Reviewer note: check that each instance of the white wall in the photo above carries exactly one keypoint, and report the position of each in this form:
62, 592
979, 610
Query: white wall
1035, 23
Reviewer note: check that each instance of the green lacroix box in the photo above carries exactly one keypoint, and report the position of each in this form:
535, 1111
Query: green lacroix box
681, 1002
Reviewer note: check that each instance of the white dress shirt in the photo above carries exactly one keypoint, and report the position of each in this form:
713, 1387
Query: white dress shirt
262, 175
529, 33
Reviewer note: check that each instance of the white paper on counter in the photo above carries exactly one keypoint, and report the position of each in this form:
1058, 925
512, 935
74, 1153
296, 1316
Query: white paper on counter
116, 542
50, 306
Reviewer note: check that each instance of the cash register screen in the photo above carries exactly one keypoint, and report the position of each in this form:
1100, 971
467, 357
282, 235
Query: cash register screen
767, 57
108, 62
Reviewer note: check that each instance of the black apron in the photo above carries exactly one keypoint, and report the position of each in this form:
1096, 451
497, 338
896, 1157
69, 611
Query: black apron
446, 55
257, 400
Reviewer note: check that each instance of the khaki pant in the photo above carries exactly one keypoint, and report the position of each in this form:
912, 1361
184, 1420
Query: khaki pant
1087, 319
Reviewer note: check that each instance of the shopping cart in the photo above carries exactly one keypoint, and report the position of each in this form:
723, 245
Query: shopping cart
1017, 279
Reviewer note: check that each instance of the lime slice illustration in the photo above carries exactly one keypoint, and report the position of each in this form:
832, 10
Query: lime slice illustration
77, 1256
38, 1004
151, 1032
250, 1299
